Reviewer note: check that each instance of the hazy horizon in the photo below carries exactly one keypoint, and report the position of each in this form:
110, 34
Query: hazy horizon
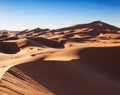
29, 14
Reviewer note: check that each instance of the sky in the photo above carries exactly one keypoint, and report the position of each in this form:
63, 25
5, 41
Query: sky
53, 14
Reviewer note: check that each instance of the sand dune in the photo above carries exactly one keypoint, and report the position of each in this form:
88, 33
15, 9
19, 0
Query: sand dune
77, 60
72, 77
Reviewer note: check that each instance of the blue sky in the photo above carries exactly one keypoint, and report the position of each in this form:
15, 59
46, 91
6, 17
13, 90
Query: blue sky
23, 14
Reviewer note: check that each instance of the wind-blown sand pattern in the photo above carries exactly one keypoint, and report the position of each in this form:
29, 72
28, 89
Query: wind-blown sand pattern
78, 60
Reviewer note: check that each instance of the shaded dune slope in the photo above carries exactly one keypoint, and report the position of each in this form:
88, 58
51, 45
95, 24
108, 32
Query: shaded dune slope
93, 73
9, 47
103, 59
40, 42
46, 42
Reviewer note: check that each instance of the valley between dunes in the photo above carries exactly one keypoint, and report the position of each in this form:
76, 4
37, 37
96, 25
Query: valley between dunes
78, 60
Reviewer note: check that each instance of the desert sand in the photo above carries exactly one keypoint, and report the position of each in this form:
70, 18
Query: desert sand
82, 59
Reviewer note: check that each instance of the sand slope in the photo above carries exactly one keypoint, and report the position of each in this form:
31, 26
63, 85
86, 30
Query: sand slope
9, 47
70, 77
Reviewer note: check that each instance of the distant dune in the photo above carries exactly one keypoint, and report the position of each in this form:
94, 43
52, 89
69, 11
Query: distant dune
77, 60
